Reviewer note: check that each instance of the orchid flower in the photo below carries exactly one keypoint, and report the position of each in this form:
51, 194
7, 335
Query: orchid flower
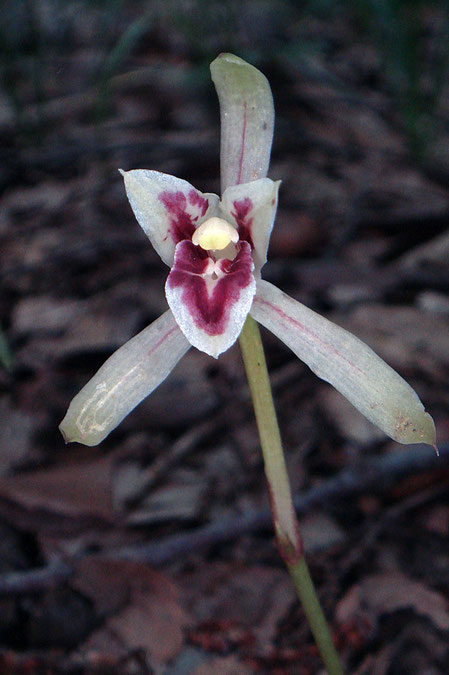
216, 249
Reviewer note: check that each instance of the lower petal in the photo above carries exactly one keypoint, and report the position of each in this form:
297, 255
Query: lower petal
210, 312
341, 359
127, 377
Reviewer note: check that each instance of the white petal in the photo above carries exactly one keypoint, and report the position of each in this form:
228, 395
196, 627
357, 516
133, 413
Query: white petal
127, 377
167, 208
348, 364
247, 120
251, 207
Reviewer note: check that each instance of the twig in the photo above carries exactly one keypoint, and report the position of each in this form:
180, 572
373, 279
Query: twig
34, 580
371, 475
377, 475
178, 452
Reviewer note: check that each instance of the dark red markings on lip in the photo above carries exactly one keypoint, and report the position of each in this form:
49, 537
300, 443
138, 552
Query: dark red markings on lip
182, 223
243, 208
210, 305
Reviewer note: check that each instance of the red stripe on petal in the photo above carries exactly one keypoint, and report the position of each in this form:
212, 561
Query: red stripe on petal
242, 151
183, 223
197, 199
209, 301
302, 328
243, 208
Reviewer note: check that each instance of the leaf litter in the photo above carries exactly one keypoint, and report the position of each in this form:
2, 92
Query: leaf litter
361, 236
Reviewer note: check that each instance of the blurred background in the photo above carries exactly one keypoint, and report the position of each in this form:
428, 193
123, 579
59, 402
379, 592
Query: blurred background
153, 553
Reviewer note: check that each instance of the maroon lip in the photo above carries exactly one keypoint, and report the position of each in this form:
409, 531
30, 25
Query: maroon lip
210, 302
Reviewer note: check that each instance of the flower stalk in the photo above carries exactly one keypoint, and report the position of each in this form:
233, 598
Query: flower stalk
284, 517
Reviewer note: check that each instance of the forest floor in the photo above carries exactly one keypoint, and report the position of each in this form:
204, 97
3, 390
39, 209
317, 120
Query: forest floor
154, 552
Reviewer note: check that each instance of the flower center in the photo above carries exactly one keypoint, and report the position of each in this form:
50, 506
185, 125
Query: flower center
215, 234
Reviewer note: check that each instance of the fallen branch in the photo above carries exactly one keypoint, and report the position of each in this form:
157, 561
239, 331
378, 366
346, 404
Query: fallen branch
376, 475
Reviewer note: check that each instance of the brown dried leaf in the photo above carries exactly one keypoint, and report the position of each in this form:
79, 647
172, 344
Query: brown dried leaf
257, 598
437, 520
16, 437
74, 488
151, 617
388, 592
44, 314
95, 579
404, 336
223, 666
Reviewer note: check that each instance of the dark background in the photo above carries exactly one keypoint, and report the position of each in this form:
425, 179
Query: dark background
154, 551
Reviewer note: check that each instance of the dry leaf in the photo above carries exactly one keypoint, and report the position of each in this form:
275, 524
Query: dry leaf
406, 337
389, 592
16, 437
74, 488
226, 666
103, 582
256, 598
151, 617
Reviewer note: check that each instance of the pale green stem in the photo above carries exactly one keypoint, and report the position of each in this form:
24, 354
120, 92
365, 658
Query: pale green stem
284, 516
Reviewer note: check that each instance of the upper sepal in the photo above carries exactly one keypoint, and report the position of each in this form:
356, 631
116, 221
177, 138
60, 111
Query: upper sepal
251, 207
167, 208
210, 305
247, 120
